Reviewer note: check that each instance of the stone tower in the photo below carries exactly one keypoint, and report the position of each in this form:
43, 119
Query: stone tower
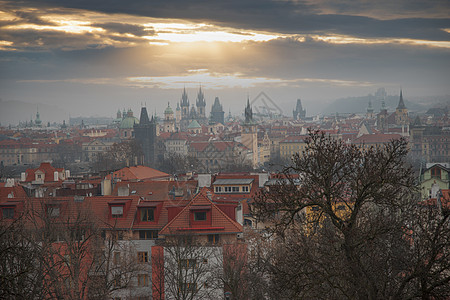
145, 135
401, 112
217, 113
249, 134
201, 107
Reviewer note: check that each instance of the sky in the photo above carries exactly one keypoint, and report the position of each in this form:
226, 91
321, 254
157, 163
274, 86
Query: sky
91, 58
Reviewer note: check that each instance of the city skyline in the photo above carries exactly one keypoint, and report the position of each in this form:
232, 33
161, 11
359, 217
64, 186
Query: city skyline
93, 58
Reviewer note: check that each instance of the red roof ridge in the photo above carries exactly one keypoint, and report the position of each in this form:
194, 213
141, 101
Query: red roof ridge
202, 193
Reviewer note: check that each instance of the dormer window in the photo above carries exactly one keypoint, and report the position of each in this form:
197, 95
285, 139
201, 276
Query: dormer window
200, 216
117, 211
53, 211
147, 214
8, 213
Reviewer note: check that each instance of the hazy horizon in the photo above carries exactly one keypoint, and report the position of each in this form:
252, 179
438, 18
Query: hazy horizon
94, 57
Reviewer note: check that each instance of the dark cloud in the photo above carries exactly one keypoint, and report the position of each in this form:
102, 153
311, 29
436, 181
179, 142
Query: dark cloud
124, 28
289, 16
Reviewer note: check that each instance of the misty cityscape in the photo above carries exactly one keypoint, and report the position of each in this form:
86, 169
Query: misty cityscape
236, 150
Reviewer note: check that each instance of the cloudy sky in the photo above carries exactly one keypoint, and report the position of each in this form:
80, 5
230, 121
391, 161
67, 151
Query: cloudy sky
91, 57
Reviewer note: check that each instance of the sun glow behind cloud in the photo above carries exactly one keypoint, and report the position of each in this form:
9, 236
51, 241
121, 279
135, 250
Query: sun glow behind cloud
165, 32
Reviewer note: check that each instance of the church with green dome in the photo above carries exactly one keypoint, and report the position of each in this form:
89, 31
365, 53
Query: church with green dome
126, 124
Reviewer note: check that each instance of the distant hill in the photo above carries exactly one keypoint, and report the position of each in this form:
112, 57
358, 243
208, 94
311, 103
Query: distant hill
359, 104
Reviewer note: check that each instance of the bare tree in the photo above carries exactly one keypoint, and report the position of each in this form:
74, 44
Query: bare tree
124, 154
80, 257
20, 274
343, 231
188, 270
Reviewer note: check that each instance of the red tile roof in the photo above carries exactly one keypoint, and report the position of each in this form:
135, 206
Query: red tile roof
220, 222
138, 173
376, 138
46, 168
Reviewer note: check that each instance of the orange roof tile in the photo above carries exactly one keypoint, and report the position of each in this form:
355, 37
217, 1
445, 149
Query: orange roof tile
138, 173
220, 222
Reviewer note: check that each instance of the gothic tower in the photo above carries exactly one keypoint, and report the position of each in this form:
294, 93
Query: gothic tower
249, 134
299, 112
401, 112
184, 104
369, 113
145, 135
217, 113
201, 107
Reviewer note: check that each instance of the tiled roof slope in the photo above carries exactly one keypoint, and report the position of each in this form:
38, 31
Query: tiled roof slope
219, 218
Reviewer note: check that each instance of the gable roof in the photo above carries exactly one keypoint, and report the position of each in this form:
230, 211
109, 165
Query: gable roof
45, 168
138, 173
220, 222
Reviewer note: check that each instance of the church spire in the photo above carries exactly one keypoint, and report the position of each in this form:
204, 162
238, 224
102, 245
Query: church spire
401, 104
248, 112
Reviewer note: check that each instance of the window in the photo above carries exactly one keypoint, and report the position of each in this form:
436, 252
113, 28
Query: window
218, 189
147, 214
77, 234
436, 172
143, 257
228, 189
200, 216
235, 189
247, 222
142, 280
188, 263
189, 287
117, 235
117, 281
53, 211
148, 234
245, 189
116, 257
8, 213
213, 238
117, 211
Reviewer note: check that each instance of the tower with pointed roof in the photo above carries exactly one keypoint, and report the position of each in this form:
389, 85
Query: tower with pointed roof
178, 116
217, 113
145, 135
201, 104
299, 112
38, 122
401, 112
249, 133
184, 107
369, 113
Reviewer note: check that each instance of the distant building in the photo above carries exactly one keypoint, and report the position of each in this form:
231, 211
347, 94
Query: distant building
38, 122
434, 177
145, 135
369, 113
401, 112
197, 112
299, 112
249, 134
169, 120
217, 113
382, 118
127, 124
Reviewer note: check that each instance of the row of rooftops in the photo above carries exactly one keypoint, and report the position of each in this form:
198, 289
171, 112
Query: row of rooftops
133, 212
